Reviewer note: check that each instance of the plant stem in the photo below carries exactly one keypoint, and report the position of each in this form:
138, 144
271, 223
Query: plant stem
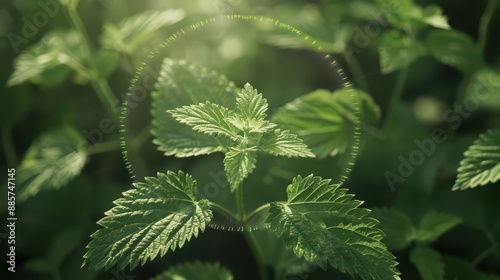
484, 24
257, 252
131, 62
8, 146
487, 252
357, 72
257, 211
100, 85
481, 42
482, 256
105, 147
254, 246
141, 137
462, 89
239, 202
75, 65
395, 97
459, 98
223, 210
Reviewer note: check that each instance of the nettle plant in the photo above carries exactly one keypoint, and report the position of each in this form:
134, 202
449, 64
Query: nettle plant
198, 112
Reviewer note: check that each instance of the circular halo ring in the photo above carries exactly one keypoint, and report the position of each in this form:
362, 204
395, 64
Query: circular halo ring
319, 46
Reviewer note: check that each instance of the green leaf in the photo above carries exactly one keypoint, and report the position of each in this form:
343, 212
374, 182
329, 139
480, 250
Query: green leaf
326, 121
397, 227
55, 76
398, 51
182, 84
428, 262
196, 271
157, 215
132, 32
72, 4
252, 111
54, 49
239, 133
250, 103
407, 16
238, 163
275, 255
399, 12
433, 16
283, 143
481, 164
484, 87
53, 159
324, 225
400, 231
107, 60
434, 224
207, 118
455, 49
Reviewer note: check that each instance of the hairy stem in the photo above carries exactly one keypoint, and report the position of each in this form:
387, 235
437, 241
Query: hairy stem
99, 84
239, 202
257, 212
223, 211
485, 23
252, 242
105, 147
395, 97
